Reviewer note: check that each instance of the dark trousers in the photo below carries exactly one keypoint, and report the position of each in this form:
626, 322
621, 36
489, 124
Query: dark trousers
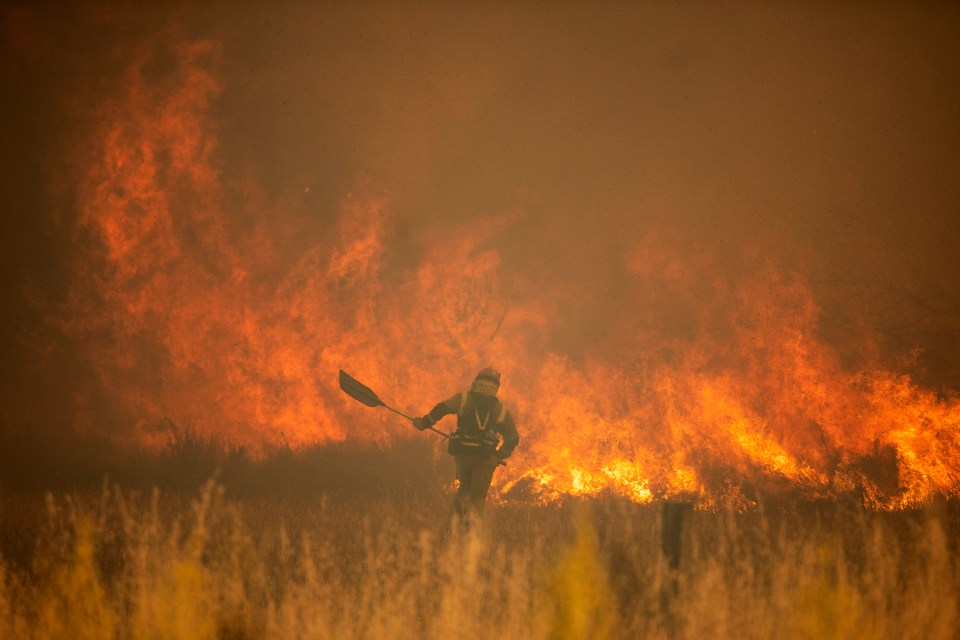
474, 473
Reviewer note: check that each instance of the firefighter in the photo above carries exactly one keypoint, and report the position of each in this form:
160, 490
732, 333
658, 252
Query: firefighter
476, 445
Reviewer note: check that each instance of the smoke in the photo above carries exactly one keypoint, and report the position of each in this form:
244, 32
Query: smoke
210, 210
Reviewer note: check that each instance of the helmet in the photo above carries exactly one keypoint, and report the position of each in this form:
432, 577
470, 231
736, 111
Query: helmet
489, 373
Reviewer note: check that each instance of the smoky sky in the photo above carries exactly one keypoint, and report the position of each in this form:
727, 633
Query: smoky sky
824, 134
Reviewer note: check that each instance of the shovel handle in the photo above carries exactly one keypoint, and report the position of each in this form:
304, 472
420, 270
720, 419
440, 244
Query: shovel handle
445, 435
399, 413
437, 431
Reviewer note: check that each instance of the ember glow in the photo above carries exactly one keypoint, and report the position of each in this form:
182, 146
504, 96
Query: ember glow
649, 361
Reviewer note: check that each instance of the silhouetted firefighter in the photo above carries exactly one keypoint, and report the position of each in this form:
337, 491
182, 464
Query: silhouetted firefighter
482, 420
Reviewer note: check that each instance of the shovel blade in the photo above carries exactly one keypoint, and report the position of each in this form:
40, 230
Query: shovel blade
358, 391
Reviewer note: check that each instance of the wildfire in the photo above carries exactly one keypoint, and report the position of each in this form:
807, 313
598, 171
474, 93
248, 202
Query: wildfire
236, 318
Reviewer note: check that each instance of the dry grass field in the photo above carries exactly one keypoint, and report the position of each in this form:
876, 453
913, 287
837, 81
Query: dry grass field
213, 562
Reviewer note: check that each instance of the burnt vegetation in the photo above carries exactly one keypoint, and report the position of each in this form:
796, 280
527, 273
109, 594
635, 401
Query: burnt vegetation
31, 461
34, 461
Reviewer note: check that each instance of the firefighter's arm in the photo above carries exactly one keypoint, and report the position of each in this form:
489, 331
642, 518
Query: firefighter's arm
445, 408
510, 437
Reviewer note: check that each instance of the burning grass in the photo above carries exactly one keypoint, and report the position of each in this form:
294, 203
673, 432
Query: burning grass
122, 563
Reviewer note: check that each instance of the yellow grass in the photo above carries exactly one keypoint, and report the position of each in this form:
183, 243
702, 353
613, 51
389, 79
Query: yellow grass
128, 565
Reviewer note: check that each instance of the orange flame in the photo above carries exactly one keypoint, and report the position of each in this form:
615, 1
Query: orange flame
192, 308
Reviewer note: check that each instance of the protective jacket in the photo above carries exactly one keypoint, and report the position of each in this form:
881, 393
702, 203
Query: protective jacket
482, 420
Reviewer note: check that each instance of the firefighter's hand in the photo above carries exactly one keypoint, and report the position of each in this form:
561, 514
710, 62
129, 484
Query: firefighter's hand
501, 459
421, 423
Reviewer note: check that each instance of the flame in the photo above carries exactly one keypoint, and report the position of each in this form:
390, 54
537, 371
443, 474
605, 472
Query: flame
705, 381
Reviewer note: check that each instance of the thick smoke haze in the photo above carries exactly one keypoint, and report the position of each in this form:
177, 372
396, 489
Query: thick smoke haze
610, 180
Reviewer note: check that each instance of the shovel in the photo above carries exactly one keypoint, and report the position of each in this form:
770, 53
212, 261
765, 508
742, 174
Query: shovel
362, 393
